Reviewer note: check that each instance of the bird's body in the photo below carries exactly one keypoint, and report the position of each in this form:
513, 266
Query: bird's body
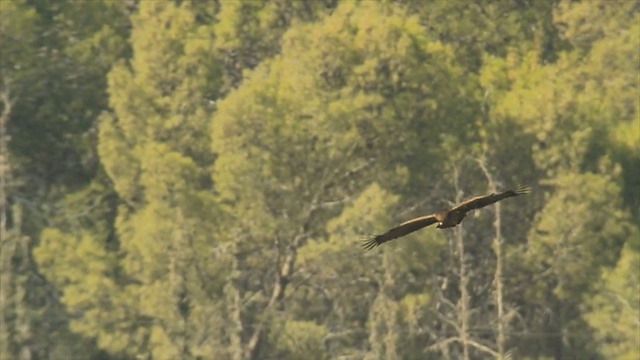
447, 218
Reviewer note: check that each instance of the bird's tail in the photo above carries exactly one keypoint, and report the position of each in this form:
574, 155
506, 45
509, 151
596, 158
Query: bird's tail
522, 190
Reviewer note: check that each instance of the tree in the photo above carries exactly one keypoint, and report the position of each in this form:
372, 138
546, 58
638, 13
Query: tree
7, 241
303, 131
615, 309
564, 111
52, 62
155, 149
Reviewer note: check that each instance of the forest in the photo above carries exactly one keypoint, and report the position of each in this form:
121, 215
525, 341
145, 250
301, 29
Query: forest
192, 179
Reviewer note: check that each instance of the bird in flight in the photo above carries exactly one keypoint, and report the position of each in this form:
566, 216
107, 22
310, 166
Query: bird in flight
447, 218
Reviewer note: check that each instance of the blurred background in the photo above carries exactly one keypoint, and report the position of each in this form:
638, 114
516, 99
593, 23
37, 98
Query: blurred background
190, 179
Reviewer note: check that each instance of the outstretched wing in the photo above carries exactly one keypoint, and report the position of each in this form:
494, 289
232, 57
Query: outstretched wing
482, 201
401, 230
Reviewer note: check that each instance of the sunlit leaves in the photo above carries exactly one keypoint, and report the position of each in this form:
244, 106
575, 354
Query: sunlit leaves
581, 225
615, 310
337, 120
301, 340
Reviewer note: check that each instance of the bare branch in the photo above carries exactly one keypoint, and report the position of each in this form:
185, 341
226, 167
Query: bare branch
442, 345
484, 348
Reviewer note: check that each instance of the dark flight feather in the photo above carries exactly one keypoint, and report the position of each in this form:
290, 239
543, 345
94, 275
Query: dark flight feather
401, 230
482, 201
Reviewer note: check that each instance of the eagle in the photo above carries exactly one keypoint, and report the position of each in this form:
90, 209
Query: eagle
447, 218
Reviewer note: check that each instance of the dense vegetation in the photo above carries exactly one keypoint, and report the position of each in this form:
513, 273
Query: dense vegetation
189, 179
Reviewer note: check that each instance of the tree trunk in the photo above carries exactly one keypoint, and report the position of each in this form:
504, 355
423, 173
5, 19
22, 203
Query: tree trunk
234, 304
463, 314
497, 245
463, 304
497, 248
23, 325
282, 280
391, 337
7, 245
178, 263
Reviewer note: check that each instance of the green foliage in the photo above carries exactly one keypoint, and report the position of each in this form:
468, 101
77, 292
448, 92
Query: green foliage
84, 269
18, 35
207, 169
248, 32
304, 128
577, 107
615, 309
578, 233
57, 78
490, 28
305, 119
580, 226
53, 71
301, 340
156, 152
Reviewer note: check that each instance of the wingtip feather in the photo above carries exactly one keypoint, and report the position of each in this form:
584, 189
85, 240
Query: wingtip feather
369, 242
523, 190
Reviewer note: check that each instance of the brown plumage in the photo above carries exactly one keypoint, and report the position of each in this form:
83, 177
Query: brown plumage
446, 218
